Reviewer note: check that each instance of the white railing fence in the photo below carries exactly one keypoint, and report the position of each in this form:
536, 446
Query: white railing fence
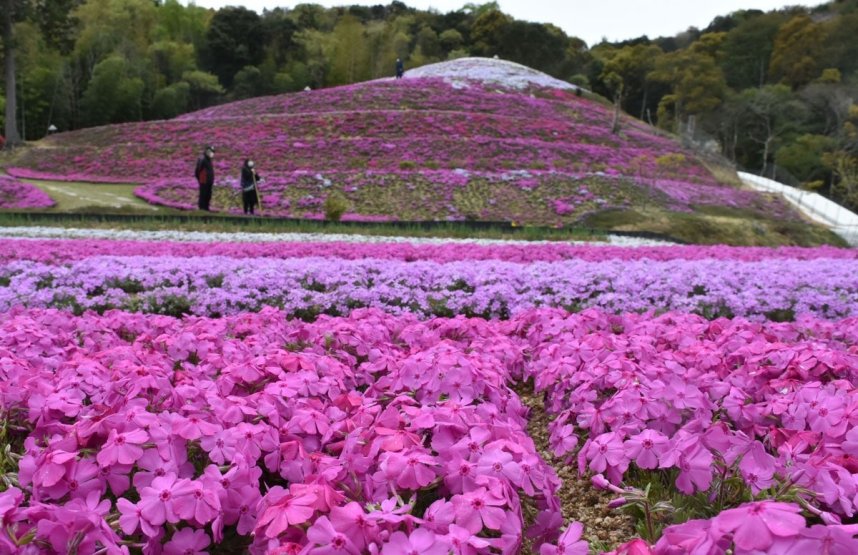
839, 219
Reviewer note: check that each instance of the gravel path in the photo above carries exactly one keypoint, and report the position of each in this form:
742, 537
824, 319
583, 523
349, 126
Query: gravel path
578, 498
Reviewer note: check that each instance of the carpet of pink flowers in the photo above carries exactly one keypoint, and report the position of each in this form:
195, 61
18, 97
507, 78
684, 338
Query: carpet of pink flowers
415, 149
17, 194
393, 434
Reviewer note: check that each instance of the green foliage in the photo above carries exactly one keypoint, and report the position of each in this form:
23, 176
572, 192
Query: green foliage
797, 53
350, 52
204, 88
114, 94
335, 206
248, 82
171, 101
803, 157
235, 39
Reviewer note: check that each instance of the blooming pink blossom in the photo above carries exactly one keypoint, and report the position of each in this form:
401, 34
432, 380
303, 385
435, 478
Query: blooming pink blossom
570, 542
479, 508
420, 542
326, 540
755, 526
122, 448
187, 541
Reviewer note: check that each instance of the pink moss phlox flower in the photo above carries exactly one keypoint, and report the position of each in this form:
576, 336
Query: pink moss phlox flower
240, 507
327, 540
201, 504
569, 543
694, 462
563, 440
500, 464
122, 448
351, 520
755, 526
693, 536
326, 497
646, 447
827, 540
757, 468
460, 475
187, 541
411, 469
221, 446
635, 547
605, 451
158, 501
420, 542
464, 542
479, 508
439, 516
281, 510
81, 478
53, 468
193, 426
131, 518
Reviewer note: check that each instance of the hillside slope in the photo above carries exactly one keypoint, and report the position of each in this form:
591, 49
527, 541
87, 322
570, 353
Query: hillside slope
468, 139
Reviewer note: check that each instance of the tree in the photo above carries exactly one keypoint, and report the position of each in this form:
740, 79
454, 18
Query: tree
748, 47
843, 161
487, 32
247, 83
235, 39
630, 67
350, 56
114, 93
204, 88
768, 114
171, 101
451, 39
13, 137
828, 104
540, 46
797, 53
172, 59
804, 158
696, 82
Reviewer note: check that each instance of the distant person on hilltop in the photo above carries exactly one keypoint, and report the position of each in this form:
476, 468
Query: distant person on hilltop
204, 173
400, 68
249, 190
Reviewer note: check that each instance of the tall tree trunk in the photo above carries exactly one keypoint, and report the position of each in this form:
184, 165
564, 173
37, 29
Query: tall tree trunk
12, 136
615, 124
765, 155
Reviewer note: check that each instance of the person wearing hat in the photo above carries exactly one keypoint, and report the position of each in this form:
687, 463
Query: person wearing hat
400, 68
205, 177
249, 191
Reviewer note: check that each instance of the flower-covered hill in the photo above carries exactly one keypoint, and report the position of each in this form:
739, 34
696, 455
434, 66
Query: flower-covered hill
468, 139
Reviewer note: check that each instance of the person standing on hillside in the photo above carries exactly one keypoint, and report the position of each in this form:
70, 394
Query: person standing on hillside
249, 189
400, 68
204, 173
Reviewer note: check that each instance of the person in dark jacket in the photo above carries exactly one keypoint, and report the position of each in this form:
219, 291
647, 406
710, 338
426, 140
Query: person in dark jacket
249, 190
204, 173
400, 68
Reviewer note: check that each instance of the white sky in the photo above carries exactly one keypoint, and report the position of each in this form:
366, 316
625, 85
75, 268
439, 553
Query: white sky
590, 20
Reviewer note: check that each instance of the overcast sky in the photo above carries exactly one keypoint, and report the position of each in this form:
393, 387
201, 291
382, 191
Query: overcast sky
590, 20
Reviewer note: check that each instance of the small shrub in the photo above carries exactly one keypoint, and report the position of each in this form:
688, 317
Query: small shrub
335, 206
